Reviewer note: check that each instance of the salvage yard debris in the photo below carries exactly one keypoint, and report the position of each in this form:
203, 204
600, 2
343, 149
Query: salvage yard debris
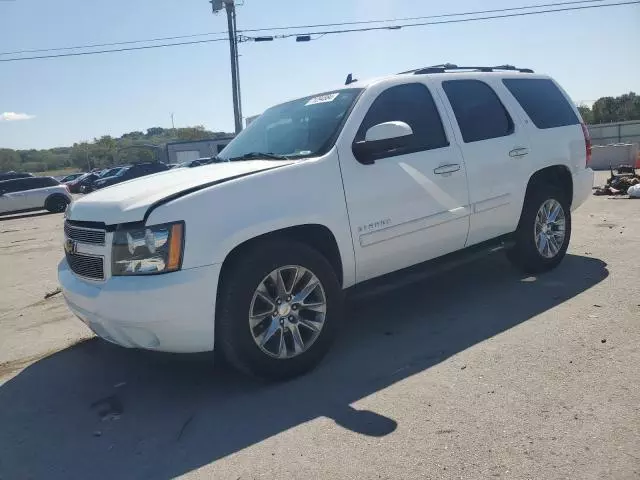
624, 178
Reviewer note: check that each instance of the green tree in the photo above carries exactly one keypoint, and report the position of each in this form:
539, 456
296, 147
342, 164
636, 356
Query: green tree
617, 109
194, 133
153, 131
586, 113
9, 160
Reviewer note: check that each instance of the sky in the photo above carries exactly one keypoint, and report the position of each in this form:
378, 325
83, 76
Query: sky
56, 102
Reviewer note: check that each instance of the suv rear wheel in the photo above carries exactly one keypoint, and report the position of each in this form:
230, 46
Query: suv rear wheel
544, 231
279, 309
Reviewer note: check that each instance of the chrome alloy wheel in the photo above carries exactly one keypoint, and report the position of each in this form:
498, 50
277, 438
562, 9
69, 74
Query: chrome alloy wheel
287, 311
550, 228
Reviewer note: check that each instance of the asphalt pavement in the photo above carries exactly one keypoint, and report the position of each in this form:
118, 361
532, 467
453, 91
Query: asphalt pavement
479, 373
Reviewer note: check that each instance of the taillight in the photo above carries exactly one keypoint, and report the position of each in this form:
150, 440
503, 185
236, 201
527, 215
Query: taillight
587, 142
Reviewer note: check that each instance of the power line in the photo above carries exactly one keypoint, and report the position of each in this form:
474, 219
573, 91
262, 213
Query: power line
442, 22
331, 32
111, 44
145, 47
425, 17
296, 27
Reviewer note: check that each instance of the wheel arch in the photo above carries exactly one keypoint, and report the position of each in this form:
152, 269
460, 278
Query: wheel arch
558, 175
317, 236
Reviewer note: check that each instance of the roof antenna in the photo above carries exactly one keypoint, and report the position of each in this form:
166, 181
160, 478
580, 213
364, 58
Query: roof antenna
350, 79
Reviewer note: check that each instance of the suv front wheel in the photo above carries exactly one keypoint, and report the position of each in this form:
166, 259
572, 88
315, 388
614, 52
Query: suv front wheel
278, 311
544, 231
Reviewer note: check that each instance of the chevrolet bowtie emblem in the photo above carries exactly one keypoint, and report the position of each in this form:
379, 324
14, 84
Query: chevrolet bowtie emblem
70, 246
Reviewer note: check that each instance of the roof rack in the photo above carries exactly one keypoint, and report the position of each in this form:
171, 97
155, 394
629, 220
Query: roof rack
448, 67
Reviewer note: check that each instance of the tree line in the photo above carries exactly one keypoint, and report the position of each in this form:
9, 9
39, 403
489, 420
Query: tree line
612, 109
132, 147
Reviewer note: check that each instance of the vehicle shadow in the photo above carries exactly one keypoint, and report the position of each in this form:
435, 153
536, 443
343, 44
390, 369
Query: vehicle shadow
100, 411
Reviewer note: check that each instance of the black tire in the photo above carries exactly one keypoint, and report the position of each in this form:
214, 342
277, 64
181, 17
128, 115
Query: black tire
525, 255
233, 334
56, 204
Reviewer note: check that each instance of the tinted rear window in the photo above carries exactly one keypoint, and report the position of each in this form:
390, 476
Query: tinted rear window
478, 110
543, 101
40, 182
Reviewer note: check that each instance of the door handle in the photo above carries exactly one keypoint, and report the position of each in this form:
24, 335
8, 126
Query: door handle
450, 168
519, 152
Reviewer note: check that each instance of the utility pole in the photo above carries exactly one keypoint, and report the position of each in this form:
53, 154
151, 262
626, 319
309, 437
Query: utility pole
230, 7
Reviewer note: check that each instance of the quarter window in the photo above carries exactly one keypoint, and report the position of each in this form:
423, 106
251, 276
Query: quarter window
543, 101
478, 110
413, 104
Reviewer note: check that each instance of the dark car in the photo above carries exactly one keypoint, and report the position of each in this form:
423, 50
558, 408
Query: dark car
89, 186
70, 177
129, 173
12, 175
76, 185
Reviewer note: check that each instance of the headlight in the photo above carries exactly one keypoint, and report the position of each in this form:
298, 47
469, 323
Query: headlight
147, 250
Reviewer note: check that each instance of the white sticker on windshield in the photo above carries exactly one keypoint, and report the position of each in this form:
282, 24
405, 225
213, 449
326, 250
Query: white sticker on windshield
330, 97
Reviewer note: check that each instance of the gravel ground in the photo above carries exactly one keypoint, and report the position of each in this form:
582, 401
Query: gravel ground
478, 373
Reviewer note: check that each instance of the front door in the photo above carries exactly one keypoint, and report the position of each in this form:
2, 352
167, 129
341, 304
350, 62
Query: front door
411, 205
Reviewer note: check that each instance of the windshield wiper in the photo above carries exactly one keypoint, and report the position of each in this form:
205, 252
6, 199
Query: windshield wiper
258, 155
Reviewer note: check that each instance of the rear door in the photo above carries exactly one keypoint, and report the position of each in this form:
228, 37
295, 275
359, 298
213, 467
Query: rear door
411, 204
36, 192
495, 147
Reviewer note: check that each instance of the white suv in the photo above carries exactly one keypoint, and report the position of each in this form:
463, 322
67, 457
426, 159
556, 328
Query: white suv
320, 194
33, 193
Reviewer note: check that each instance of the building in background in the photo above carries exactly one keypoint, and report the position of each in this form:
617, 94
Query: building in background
188, 150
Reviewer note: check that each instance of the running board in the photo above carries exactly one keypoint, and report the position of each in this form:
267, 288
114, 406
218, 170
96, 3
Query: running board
430, 268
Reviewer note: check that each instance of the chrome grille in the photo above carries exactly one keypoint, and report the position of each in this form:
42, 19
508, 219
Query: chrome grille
84, 235
86, 265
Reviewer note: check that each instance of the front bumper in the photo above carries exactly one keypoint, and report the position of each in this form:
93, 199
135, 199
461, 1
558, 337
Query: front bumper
582, 187
172, 312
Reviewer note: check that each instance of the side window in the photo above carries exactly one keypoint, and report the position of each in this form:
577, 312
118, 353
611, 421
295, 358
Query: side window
11, 186
413, 104
478, 110
543, 101
31, 183
49, 182
40, 182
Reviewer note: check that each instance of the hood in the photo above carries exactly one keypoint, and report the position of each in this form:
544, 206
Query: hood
129, 201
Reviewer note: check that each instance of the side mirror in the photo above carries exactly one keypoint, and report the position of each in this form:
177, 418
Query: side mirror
381, 139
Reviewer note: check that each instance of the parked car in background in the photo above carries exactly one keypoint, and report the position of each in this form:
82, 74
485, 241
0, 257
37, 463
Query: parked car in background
76, 185
33, 193
70, 177
195, 163
11, 175
353, 187
90, 186
129, 173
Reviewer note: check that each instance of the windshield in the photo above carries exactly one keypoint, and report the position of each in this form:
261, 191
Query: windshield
301, 128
